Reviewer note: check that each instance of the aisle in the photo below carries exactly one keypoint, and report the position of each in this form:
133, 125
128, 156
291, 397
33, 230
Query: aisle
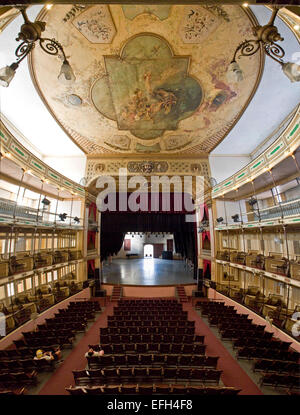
63, 376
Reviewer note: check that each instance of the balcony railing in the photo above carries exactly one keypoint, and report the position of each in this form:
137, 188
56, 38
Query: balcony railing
12, 210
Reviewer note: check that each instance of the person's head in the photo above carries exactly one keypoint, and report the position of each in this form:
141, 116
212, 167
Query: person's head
39, 353
101, 353
90, 352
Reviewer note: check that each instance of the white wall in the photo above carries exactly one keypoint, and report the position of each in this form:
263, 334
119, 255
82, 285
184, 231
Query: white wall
71, 167
137, 244
222, 167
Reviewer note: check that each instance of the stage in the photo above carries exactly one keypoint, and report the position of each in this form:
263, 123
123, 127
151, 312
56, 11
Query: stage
158, 272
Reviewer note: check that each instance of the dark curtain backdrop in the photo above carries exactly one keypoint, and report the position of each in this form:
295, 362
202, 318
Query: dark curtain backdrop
114, 226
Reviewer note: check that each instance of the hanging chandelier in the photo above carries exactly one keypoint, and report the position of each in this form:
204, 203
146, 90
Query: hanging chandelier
266, 38
29, 34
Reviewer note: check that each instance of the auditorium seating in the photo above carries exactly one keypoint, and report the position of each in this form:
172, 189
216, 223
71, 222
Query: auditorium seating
95, 362
136, 374
18, 366
153, 389
278, 363
147, 342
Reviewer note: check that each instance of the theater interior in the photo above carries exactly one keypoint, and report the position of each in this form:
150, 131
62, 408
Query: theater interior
149, 198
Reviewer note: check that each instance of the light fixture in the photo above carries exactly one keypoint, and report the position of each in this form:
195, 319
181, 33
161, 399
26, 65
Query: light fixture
297, 27
30, 32
46, 202
76, 219
252, 201
62, 216
220, 219
49, 6
235, 218
266, 38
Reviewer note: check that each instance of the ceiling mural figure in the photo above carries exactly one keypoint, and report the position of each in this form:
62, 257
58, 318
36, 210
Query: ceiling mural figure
150, 89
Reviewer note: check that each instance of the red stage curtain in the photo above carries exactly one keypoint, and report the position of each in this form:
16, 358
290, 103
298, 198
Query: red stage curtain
206, 268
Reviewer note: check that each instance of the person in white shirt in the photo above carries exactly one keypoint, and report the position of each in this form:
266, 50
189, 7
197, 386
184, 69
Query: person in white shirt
41, 355
92, 353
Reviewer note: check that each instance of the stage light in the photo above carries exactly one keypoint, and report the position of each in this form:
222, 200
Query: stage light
220, 219
252, 201
76, 219
62, 216
235, 218
46, 202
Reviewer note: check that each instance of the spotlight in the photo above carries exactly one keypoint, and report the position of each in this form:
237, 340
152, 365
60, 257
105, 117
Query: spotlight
252, 201
62, 216
220, 219
76, 219
235, 218
46, 202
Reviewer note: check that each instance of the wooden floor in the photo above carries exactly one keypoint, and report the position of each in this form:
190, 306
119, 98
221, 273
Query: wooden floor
147, 272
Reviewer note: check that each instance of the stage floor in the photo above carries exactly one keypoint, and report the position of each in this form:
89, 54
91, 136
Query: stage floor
147, 272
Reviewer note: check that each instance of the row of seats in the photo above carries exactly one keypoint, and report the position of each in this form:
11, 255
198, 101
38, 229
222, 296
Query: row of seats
255, 343
277, 366
86, 305
18, 378
12, 391
280, 380
257, 352
152, 389
148, 301
148, 338
187, 348
155, 359
145, 374
263, 343
138, 328
158, 316
26, 365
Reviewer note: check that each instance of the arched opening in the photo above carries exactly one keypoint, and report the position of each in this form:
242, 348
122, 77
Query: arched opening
148, 251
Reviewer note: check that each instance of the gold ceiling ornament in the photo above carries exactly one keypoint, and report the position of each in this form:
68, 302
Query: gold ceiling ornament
266, 38
29, 34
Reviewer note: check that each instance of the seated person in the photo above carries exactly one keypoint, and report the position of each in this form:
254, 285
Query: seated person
56, 353
93, 353
43, 355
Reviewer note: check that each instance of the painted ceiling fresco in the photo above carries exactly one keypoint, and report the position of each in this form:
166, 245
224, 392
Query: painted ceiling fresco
149, 79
